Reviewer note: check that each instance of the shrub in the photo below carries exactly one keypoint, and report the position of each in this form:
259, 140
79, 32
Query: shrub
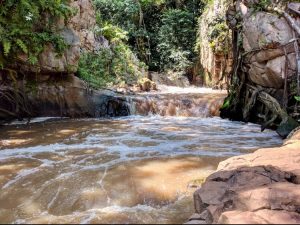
26, 26
110, 66
176, 39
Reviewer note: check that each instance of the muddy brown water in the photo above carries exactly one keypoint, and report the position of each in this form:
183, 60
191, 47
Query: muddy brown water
139, 169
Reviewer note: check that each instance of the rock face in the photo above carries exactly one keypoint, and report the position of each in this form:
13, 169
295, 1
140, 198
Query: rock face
268, 38
50, 86
169, 78
65, 96
78, 33
68, 97
215, 57
262, 187
265, 64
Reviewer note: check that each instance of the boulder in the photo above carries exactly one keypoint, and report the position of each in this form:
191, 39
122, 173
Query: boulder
170, 78
263, 216
264, 35
271, 73
262, 187
263, 29
147, 85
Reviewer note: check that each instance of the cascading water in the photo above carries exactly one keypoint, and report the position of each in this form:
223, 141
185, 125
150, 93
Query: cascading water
174, 101
137, 169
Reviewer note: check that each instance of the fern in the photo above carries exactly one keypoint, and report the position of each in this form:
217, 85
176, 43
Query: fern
32, 59
21, 44
25, 28
6, 47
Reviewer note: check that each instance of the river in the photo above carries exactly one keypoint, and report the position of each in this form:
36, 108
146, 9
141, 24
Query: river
137, 169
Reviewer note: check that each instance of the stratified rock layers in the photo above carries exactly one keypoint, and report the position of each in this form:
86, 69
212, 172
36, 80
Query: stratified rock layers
262, 187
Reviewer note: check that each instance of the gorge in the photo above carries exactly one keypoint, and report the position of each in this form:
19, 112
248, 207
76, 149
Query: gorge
147, 111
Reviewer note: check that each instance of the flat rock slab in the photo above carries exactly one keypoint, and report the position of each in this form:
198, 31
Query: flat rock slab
262, 187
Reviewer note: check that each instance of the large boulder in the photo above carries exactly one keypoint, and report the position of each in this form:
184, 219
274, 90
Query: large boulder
262, 29
267, 37
262, 187
169, 78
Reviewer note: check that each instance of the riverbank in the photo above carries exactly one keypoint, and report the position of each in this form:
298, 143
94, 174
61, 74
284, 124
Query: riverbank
262, 187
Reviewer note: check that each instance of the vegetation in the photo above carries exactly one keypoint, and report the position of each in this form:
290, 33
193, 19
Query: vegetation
262, 5
26, 26
176, 39
110, 66
143, 34
218, 36
160, 32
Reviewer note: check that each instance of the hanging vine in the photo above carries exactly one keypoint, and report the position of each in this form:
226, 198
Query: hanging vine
247, 100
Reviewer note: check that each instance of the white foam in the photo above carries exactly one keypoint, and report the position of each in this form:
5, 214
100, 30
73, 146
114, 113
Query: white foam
33, 120
188, 90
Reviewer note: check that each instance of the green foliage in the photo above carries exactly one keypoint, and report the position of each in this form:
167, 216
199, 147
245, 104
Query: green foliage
297, 98
26, 26
176, 38
6, 47
146, 25
218, 35
113, 33
226, 103
261, 5
110, 66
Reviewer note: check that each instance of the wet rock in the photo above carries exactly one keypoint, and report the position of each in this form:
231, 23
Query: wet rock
169, 78
196, 222
147, 85
68, 96
262, 187
195, 216
286, 127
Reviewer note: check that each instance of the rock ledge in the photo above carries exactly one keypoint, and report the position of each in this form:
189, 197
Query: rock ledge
262, 187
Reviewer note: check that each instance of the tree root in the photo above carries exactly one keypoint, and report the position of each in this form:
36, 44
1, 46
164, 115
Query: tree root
287, 123
14, 103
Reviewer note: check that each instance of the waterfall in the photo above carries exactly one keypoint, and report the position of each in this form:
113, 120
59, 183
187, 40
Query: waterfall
174, 101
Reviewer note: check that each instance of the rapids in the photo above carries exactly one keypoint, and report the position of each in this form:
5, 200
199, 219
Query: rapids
138, 169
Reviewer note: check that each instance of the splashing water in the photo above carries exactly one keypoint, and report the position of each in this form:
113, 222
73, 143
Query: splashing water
126, 170
138, 169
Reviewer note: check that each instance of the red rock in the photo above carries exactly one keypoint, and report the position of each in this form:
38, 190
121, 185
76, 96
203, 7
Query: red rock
262, 187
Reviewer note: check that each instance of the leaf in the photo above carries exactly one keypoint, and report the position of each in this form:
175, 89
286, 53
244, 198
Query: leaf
297, 98
33, 60
226, 104
21, 44
6, 47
